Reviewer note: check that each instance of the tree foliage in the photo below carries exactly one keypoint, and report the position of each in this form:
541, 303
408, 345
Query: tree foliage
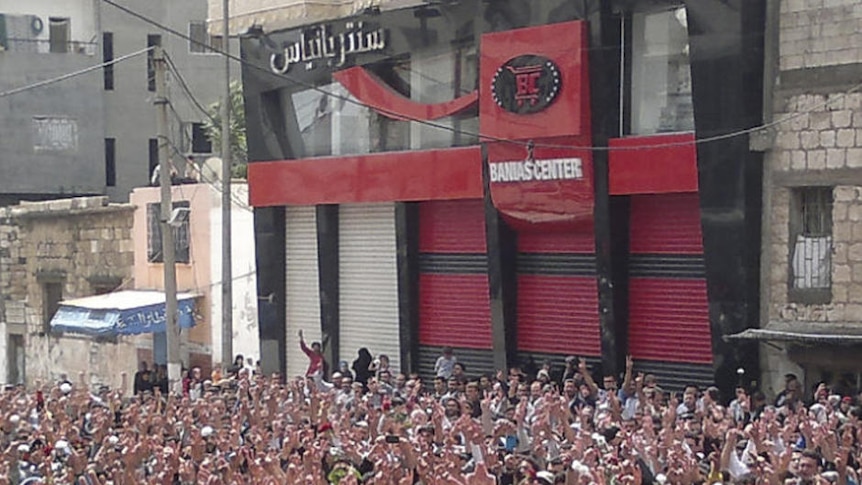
238, 143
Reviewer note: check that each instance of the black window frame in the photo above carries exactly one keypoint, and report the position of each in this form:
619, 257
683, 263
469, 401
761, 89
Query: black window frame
810, 215
200, 140
110, 162
182, 234
108, 56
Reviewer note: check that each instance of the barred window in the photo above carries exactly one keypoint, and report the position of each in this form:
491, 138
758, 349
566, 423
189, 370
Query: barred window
154, 234
811, 245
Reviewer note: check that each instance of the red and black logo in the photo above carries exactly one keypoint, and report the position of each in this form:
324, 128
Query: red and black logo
526, 84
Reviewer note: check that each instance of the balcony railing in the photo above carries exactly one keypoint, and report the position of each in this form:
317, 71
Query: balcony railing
44, 46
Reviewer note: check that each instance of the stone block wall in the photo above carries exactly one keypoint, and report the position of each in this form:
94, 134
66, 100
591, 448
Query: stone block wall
846, 303
83, 244
820, 32
818, 142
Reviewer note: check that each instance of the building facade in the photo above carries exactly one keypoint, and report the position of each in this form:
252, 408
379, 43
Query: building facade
56, 255
812, 238
95, 133
51, 252
519, 180
198, 243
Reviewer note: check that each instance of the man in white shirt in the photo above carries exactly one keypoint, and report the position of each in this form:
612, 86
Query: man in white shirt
445, 363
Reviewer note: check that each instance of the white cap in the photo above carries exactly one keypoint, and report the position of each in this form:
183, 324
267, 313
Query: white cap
113, 439
65, 388
23, 448
61, 445
14, 419
207, 431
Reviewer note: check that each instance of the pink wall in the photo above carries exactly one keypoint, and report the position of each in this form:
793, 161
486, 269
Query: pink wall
194, 277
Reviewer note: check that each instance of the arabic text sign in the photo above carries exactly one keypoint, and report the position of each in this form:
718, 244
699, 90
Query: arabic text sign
319, 43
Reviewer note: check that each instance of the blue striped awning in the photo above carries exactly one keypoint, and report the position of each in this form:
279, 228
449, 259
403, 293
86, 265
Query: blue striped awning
127, 312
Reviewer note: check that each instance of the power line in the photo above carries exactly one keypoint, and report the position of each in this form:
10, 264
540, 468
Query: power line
214, 183
187, 90
72, 74
479, 136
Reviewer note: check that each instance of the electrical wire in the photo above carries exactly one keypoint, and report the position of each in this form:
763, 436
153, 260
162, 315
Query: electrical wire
72, 74
480, 136
188, 92
214, 183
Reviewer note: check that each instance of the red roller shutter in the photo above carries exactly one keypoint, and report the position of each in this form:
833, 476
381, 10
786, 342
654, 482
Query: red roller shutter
666, 224
452, 226
557, 242
558, 315
668, 305
454, 310
557, 294
669, 320
454, 299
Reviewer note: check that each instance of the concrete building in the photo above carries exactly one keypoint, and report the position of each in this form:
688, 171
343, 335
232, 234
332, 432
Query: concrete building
811, 318
96, 133
198, 250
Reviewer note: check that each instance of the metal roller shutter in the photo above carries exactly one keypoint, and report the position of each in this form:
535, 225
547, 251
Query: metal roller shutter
669, 320
302, 285
452, 226
368, 281
668, 304
666, 224
557, 294
454, 299
454, 310
476, 361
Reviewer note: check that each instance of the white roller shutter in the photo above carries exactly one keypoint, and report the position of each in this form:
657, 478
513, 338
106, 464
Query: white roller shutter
368, 281
302, 287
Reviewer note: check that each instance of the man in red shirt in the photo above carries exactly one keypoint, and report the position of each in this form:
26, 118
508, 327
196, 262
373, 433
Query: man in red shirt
316, 364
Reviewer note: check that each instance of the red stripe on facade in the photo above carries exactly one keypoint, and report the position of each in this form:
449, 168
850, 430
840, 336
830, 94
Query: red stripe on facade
669, 320
454, 310
454, 173
372, 91
662, 169
558, 314
556, 242
668, 223
452, 226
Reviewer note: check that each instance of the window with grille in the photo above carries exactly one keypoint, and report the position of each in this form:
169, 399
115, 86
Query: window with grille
154, 234
811, 245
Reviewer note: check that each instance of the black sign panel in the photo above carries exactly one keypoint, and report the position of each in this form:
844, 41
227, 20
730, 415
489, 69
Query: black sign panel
526, 84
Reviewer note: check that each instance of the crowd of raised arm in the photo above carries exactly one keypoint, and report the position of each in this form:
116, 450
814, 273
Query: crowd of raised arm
377, 428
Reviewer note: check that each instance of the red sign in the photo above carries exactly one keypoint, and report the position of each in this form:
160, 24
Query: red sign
539, 86
534, 82
551, 189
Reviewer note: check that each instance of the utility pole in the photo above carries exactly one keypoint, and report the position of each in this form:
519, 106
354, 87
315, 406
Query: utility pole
226, 203
172, 333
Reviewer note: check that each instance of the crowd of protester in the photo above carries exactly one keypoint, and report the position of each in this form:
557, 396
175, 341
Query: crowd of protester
368, 424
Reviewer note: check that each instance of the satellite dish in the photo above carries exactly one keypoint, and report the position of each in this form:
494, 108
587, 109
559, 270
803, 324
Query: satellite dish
211, 170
